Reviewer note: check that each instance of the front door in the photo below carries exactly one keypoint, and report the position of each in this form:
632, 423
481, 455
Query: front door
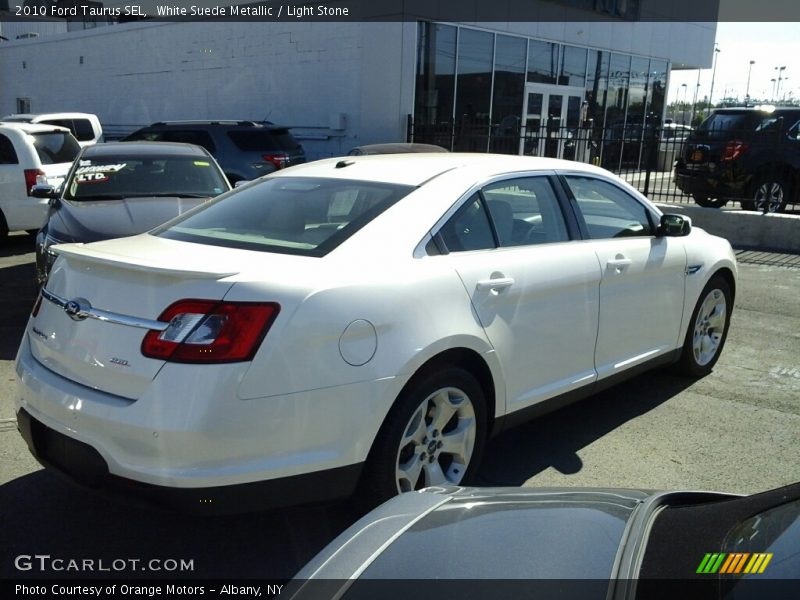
550, 118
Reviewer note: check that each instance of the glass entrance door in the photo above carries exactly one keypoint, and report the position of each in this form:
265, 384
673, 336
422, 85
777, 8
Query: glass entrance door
550, 117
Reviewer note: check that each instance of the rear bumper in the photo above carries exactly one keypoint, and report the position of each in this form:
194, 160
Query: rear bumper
720, 184
180, 446
83, 465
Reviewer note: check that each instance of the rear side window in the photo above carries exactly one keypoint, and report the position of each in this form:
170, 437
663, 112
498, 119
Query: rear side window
469, 228
190, 136
83, 130
55, 147
287, 215
80, 128
145, 135
258, 140
8, 156
525, 211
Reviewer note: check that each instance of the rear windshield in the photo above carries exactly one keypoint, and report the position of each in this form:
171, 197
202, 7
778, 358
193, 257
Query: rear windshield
260, 140
728, 125
288, 215
55, 147
113, 178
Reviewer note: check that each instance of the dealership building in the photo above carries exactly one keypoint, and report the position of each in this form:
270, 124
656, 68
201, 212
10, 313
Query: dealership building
469, 85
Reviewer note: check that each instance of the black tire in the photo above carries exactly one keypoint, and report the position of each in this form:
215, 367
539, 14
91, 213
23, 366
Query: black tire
707, 202
3, 226
379, 480
692, 361
770, 194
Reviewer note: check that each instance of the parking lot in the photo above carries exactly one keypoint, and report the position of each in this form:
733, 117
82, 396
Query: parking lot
736, 430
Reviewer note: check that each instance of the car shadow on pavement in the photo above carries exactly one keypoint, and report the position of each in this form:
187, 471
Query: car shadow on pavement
16, 245
554, 440
44, 514
17, 294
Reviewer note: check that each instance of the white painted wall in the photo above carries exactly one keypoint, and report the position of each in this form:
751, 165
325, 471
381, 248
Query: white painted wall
300, 74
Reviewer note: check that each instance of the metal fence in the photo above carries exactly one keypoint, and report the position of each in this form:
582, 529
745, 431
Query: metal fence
643, 155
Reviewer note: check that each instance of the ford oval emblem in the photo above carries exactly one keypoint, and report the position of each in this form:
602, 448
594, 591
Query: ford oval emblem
77, 309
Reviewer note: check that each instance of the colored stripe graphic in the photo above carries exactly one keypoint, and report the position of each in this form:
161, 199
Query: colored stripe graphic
734, 564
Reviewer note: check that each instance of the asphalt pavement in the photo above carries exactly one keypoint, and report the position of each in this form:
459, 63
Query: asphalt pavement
736, 430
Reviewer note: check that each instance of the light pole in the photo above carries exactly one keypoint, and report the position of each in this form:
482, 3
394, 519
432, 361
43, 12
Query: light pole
713, 75
747, 91
694, 101
780, 77
683, 105
774, 81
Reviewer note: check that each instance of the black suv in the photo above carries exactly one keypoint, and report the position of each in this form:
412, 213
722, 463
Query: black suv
244, 149
746, 154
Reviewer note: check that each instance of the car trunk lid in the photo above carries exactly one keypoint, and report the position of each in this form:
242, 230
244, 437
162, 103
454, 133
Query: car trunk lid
125, 286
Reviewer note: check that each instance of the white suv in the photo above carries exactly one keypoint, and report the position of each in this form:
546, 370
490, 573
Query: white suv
84, 126
31, 154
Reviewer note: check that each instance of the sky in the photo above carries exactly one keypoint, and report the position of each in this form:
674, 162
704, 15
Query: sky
770, 45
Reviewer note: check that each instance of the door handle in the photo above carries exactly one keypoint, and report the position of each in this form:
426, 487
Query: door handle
495, 285
619, 263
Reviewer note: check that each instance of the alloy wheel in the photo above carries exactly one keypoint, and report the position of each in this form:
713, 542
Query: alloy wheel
438, 441
709, 327
769, 197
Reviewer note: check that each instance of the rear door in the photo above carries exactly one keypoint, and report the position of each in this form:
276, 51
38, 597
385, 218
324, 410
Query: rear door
643, 276
534, 291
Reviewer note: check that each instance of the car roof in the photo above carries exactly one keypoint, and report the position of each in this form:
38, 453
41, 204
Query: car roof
144, 148
417, 168
761, 109
32, 127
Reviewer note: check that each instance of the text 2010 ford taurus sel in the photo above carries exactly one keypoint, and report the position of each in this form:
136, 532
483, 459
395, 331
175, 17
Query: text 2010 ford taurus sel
367, 319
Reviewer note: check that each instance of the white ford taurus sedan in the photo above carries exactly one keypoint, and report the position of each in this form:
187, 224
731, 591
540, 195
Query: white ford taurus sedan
363, 320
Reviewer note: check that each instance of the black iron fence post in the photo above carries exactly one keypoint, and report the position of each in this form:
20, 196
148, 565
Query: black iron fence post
652, 156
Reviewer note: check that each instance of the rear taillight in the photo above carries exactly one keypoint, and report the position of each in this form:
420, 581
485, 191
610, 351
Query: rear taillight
279, 159
209, 331
733, 150
32, 177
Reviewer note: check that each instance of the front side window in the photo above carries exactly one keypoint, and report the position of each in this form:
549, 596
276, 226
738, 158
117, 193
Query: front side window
113, 178
288, 215
608, 211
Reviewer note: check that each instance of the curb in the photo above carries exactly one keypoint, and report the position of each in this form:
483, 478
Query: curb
744, 229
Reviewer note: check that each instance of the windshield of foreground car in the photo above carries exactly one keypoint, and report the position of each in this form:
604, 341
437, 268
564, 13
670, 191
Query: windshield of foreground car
115, 178
289, 215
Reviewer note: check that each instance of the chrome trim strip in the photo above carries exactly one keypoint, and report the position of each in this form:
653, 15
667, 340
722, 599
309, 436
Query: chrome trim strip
82, 310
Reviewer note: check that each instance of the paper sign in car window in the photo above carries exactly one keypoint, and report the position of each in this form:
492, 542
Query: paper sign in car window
201, 163
100, 169
91, 178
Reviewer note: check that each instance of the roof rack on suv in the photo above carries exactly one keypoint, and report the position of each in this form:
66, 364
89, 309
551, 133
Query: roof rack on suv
210, 122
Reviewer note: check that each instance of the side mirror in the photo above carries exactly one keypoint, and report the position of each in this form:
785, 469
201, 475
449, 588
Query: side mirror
43, 190
674, 226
